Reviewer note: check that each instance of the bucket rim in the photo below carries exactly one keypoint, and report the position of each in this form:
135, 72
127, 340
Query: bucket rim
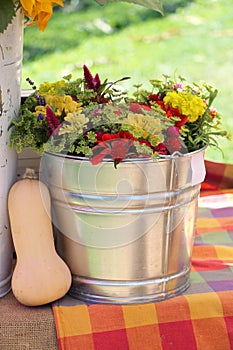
161, 158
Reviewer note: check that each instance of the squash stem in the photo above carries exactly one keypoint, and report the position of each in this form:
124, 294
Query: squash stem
29, 174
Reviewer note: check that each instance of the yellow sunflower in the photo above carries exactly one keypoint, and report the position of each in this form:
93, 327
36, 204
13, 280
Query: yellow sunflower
39, 11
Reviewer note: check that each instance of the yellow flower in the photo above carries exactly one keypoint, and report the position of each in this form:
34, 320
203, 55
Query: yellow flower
40, 11
187, 103
145, 127
75, 123
52, 88
40, 110
60, 103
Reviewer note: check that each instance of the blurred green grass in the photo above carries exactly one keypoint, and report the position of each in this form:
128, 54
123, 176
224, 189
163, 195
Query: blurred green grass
121, 39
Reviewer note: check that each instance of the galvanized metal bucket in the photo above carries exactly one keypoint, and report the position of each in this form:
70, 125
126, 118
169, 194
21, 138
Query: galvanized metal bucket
127, 233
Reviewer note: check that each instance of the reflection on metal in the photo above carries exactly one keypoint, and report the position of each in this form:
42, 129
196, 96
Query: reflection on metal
126, 233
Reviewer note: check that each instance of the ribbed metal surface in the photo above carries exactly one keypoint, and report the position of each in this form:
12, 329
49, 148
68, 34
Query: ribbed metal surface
126, 233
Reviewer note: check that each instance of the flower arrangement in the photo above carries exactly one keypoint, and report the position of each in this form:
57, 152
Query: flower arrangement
39, 11
88, 118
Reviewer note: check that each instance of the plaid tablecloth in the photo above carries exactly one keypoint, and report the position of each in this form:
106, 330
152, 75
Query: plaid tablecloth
201, 318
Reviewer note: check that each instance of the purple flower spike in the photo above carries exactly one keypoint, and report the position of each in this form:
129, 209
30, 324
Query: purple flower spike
40, 100
173, 131
91, 83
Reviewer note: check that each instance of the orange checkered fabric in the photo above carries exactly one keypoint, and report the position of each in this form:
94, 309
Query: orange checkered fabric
200, 319
218, 175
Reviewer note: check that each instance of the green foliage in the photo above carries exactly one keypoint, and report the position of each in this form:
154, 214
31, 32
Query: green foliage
151, 4
87, 19
168, 5
8, 8
28, 132
7, 12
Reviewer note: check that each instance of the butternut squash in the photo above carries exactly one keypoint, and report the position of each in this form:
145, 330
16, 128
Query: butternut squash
40, 275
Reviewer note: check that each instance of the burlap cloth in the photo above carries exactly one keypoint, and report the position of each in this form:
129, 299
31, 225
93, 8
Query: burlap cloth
24, 327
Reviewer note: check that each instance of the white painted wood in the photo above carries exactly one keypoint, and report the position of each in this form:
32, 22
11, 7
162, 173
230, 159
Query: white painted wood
11, 42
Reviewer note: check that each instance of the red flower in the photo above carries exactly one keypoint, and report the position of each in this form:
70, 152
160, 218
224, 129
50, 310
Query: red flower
101, 136
146, 142
97, 158
119, 149
173, 144
213, 112
161, 104
116, 149
147, 108
135, 107
100, 99
172, 112
154, 97
161, 149
106, 137
126, 135
182, 121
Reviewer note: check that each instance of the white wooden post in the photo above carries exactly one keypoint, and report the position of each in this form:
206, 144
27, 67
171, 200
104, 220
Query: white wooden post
11, 42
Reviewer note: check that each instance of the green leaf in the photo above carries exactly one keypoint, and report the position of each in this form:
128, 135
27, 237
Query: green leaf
151, 4
7, 12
